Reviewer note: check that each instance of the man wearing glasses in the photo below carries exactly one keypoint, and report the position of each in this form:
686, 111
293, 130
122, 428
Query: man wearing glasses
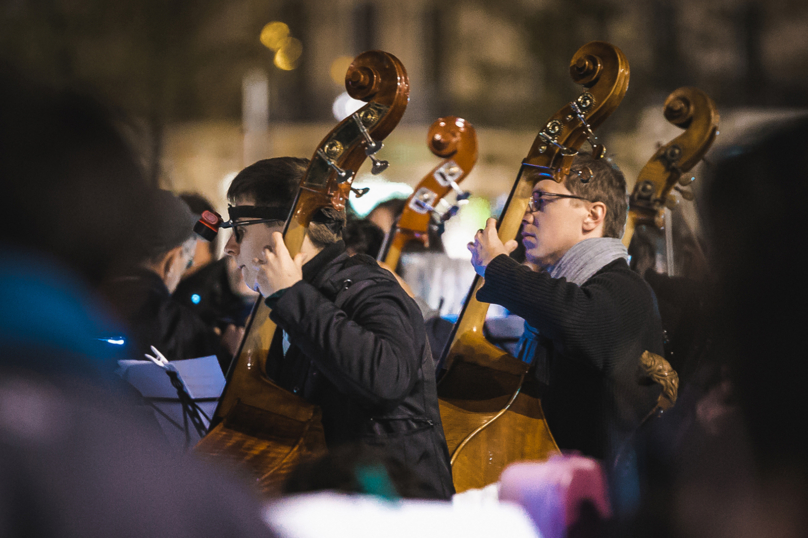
350, 339
588, 317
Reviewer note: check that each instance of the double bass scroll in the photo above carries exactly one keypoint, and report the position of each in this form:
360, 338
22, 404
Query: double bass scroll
694, 111
257, 423
455, 141
490, 406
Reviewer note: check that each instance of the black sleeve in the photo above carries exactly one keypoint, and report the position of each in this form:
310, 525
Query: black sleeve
583, 320
369, 355
183, 334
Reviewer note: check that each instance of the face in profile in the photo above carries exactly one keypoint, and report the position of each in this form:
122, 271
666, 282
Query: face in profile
247, 243
236, 280
555, 225
383, 218
181, 261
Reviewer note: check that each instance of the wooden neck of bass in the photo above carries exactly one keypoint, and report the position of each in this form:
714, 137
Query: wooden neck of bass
247, 378
472, 317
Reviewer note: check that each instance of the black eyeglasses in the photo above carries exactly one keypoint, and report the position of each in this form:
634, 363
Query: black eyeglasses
238, 233
536, 202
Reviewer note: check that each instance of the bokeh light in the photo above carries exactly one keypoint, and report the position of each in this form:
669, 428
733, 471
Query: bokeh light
274, 35
345, 105
380, 191
288, 55
461, 228
338, 69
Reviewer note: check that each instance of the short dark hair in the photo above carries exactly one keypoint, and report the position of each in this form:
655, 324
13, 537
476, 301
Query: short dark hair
274, 183
363, 237
606, 184
394, 205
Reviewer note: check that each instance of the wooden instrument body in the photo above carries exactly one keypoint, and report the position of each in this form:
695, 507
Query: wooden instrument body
258, 424
487, 401
455, 140
490, 406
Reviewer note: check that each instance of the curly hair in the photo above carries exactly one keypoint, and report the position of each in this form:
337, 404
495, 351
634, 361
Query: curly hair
606, 184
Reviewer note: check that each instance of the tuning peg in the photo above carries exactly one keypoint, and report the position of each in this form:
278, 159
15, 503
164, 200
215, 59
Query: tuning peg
451, 213
684, 181
673, 153
371, 147
672, 202
440, 227
598, 150
359, 193
343, 175
686, 193
379, 166
565, 151
438, 220
460, 194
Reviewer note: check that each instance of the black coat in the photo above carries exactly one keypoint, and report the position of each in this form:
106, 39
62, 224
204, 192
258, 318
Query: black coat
208, 294
359, 351
592, 336
153, 318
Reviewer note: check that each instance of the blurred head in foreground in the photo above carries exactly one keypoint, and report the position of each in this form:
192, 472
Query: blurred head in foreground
743, 469
75, 190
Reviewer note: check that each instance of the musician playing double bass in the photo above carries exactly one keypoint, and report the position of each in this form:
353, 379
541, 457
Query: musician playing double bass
351, 340
588, 316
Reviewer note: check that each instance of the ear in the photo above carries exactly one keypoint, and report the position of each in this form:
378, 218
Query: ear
595, 217
170, 259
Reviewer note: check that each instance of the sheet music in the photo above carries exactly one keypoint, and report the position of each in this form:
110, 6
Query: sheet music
202, 378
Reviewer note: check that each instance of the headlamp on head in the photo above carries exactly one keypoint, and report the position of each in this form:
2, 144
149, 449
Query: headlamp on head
208, 225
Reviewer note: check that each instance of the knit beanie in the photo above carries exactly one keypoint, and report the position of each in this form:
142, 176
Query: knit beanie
171, 225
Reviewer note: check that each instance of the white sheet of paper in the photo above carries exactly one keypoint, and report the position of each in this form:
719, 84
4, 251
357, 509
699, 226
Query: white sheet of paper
202, 377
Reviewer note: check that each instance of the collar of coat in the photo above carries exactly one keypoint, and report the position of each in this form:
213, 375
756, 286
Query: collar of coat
314, 266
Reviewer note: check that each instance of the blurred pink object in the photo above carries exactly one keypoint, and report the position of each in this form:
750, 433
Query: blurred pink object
553, 491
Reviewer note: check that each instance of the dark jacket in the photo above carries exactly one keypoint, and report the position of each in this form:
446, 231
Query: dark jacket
153, 318
592, 337
208, 294
359, 351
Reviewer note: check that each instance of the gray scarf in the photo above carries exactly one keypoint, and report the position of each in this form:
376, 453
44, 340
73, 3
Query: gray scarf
578, 265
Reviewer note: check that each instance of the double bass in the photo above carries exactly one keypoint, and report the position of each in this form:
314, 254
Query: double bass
489, 405
455, 141
649, 232
258, 424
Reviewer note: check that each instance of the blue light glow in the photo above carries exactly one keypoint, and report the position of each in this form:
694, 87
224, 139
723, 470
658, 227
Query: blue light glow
114, 340
195, 298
